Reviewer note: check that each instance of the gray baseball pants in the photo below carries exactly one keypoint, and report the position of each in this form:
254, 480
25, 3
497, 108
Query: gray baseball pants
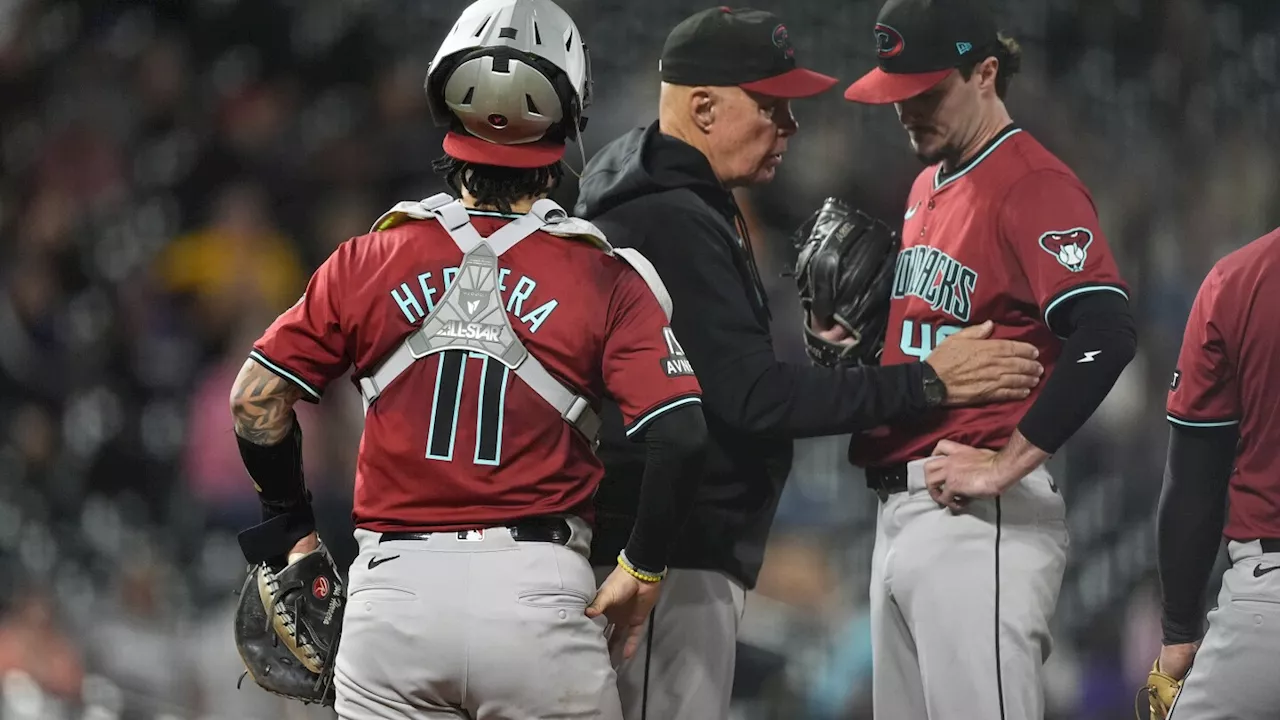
1236, 673
683, 669
475, 626
961, 603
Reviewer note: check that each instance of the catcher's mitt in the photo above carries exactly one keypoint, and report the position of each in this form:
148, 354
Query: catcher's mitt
1161, 690
844, 273
288, 624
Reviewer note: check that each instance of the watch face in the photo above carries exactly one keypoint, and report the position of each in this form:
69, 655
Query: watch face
934, 391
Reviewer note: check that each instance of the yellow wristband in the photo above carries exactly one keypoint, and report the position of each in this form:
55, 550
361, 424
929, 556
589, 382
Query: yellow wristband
636, 573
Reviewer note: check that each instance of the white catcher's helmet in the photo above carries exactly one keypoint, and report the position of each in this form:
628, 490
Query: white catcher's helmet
515, 77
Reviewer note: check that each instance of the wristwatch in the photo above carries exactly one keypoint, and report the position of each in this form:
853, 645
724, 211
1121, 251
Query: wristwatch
934, 389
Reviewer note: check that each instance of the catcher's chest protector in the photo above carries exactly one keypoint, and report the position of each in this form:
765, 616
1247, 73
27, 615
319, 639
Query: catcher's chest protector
471, 316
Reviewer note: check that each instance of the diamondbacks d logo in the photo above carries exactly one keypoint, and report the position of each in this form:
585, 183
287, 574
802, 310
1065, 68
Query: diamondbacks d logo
889, 42
783, 41
1070, 247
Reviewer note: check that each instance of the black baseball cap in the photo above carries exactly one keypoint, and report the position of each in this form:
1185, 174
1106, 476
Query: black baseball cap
750, 49
919, 43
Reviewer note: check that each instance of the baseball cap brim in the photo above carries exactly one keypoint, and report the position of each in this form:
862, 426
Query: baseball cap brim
469, 148
797, 83
881, 88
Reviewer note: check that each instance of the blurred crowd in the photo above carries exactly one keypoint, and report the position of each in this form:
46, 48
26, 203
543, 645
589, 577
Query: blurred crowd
171, 172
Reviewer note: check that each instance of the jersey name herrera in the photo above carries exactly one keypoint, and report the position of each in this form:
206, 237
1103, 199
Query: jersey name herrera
937, 278
470, 330
416, 300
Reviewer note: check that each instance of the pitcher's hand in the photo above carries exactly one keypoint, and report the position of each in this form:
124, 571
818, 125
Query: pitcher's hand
977, 370
626, 602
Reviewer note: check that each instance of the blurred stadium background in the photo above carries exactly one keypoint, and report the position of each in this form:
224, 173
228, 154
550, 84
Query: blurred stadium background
171, 172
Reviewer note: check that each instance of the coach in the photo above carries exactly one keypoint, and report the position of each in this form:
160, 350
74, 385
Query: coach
725, 119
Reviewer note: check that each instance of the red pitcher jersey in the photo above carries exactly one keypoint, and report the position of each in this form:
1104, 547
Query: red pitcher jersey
1228, 373
1008, 237
458, 441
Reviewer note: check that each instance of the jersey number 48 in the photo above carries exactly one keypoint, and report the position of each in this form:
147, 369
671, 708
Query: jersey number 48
929, 338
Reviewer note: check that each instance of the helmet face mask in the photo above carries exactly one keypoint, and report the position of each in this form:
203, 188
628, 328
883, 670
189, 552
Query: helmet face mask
511, 72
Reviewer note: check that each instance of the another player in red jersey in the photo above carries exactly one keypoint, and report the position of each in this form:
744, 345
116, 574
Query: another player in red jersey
1224, 465
971, 543
484, 333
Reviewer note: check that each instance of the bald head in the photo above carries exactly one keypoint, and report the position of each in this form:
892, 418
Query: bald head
742, 134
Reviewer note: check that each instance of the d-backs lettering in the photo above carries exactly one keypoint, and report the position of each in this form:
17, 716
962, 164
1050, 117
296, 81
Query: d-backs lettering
937, 278
417, 305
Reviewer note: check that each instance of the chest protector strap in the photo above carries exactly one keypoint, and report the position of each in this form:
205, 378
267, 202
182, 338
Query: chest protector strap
471, 317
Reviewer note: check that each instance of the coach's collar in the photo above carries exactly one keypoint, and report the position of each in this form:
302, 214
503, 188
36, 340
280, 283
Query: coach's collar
941, 179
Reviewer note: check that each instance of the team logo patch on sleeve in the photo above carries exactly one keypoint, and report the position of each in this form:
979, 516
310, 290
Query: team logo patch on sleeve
675, 363
1177, 380
1070, 247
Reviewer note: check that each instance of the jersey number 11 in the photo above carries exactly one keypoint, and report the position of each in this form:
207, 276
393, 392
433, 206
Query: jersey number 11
447, 400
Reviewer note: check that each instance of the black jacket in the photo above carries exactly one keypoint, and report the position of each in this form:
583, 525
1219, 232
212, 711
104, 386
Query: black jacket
659, 195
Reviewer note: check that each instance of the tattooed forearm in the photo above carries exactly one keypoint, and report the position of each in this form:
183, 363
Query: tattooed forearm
262, 404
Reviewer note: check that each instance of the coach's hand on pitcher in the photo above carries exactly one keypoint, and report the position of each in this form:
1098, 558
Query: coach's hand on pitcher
977, 370
626, 602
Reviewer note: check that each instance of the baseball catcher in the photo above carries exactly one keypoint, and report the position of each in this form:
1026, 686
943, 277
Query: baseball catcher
844, 273
289, 618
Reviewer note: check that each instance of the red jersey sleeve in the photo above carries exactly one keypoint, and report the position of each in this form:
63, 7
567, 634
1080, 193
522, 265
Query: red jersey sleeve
645, 369
1204, 391
305, 344
1049, 221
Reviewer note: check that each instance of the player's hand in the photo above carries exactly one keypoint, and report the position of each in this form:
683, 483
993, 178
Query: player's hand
308, 544
977, 370
957, 473
626, 602
1175, 660
833, 333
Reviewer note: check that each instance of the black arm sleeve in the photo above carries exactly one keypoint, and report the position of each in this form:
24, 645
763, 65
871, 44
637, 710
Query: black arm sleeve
676, 447
1189, 522
277, 474
1101, 340
743, 383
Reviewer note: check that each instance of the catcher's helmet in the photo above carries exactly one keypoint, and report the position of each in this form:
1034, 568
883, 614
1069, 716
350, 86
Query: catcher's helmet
511, 81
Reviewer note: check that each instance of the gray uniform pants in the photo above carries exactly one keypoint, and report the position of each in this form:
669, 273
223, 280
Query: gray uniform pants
1236, 674
961, 603
683, 669
473, 625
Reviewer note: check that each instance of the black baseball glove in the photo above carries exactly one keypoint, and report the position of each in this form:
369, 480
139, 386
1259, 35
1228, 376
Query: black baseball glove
289, 619
844, 273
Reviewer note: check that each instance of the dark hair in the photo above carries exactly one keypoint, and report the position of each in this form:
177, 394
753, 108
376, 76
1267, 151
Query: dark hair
1007, 52
498, 187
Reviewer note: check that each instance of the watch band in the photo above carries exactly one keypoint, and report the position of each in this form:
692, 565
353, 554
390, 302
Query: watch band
935, 391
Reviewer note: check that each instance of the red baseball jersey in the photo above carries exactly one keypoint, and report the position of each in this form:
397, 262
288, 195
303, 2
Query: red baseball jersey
1228, 373
458, 441
1007, 237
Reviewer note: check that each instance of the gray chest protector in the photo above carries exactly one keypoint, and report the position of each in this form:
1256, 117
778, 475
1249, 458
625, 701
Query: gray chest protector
471, 317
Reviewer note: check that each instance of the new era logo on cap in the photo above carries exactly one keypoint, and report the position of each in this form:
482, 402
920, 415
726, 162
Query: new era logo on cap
963, 47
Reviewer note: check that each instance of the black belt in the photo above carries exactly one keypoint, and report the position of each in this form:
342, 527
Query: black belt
541, 529
1270, 545
887, 479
